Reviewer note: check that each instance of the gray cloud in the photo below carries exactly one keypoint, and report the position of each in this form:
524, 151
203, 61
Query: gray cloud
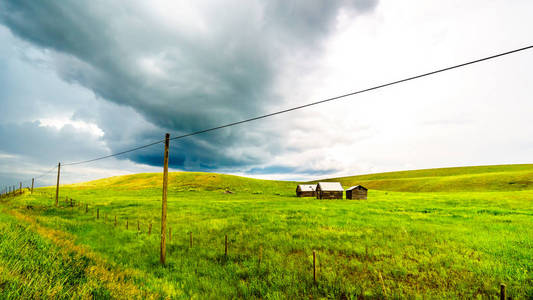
33, 142
179, 77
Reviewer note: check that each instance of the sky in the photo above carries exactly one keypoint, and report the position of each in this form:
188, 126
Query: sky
84, 79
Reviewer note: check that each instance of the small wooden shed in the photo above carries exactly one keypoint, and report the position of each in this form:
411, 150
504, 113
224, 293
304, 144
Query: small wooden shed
329, 190
306, 190
357, 192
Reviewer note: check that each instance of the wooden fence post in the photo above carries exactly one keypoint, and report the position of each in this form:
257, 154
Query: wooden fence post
502, 292
115, 221
314, 266
190, 239
127, 223
226, 245
150, 228
20, 188
163, 253
97, 213
260, 256
57, 185
32, 181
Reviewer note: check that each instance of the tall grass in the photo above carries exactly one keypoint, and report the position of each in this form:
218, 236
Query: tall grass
395, 244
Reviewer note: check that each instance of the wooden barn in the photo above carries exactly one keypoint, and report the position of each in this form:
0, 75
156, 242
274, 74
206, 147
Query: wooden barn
306, 190
357, 192
329, 190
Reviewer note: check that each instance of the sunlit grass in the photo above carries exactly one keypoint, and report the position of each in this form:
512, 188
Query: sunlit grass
395, 244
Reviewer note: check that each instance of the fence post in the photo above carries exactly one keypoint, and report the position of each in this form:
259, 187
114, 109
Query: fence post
314, 266
502, 292
20, 188
163, 253
226, 245
260, 256
115, 221
32, 181
97, 213
127, 223
57, 185
190, 239
150, 228
138, 226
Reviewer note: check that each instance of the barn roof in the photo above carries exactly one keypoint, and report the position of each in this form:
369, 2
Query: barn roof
307, 187
330, 186
355, 187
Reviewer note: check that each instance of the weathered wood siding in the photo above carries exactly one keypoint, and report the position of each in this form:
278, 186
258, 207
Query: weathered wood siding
328, 195
357, 194
305, 194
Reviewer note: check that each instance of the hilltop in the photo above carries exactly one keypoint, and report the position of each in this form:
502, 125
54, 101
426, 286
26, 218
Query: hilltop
457, 179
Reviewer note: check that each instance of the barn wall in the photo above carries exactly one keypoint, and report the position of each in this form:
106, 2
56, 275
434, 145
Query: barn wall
306, 194
330, 195
356, 194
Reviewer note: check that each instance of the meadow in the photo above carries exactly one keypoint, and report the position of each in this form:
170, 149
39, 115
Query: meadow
440, 233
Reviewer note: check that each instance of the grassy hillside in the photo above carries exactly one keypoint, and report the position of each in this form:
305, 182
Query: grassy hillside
463, 179
442, 243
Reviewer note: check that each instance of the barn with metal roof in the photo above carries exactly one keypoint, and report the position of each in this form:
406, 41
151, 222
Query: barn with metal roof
306, 190
329, 190
357, 192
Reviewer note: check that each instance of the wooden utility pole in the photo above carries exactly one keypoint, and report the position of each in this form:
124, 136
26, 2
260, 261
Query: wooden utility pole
32, 181
163, 255
57, 186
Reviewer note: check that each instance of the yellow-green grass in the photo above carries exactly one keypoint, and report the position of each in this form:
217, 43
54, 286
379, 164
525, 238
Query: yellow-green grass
460, 179
440, 243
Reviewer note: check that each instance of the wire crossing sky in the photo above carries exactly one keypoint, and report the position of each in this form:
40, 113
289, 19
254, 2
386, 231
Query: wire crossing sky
310, 104
85, 81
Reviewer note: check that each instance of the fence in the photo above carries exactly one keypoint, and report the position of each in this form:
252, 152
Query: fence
145, 228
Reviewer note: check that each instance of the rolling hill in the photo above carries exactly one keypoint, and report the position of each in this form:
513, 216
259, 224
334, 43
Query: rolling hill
435, 233
458, 179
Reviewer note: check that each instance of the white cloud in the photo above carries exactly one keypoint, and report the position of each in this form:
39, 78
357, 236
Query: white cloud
475, 115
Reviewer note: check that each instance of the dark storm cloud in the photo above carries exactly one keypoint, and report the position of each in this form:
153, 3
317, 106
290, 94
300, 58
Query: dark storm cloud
179, 77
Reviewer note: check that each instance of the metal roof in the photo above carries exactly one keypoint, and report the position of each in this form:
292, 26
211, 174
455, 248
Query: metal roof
307, 187
356, 186
330, 186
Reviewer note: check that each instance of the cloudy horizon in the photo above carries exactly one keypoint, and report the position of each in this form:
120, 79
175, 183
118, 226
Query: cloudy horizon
79, 80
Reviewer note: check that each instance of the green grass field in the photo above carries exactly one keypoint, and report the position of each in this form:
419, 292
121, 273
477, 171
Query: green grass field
440, 233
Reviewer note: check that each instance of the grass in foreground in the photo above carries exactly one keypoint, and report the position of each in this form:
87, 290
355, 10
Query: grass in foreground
396, 244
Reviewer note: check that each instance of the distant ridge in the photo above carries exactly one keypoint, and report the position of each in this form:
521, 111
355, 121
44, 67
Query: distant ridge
456, 179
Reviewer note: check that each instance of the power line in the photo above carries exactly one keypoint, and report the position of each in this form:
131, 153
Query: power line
312, 104
45, 173
115, 154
